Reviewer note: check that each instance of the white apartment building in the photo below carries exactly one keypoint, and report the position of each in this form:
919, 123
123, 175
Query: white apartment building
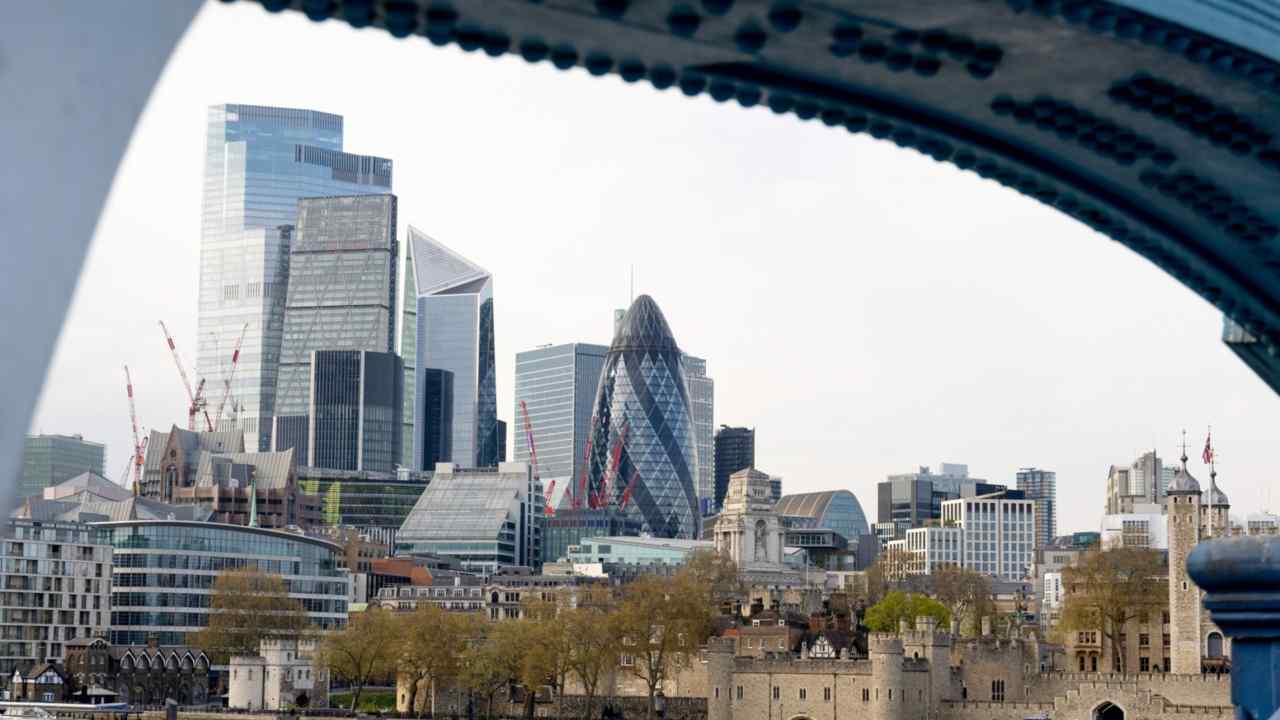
999, 535
1052, 591
929, 548
1146, 526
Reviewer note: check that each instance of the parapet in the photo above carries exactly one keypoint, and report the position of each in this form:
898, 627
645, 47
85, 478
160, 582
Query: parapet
884, 644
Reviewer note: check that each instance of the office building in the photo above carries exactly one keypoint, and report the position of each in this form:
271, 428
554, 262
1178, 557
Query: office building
1142, 482
89, 498
50, 459
341, 297
1144, 526
915, 499
455, 333
702, 410
1042, 487
259, 162
363, 499
502, 443
485, 518
735, 449
837, 510
57, 588
644, 551
409, 356
557, 384
354, 415
569, 526
999, 533
643, 451
433, 425
164, 571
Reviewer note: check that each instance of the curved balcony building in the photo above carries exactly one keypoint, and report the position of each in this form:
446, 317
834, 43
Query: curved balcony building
643, 457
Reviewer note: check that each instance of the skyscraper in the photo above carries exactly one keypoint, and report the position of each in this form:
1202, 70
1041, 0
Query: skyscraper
1042, 487
735, 449
433, 429
455, 333
342, 288
409, 355
50, 459
558, 384
354, 418
702, 409
643, 451
259, 161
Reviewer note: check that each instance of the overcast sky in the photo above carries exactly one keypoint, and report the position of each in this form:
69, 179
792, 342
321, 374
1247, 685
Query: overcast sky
866, 309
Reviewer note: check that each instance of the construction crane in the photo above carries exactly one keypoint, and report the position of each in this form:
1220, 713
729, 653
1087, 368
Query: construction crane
586, 465
604, 494
139, 443
197, 397
631, 484
231, 374
533, 459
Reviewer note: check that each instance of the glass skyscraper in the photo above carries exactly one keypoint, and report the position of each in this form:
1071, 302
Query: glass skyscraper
1042, 486
643, 450
354, 418
558, 385
259, 161
455, 333
48, 460
409, 355
434, 436
735, 449
342, 287
702, 409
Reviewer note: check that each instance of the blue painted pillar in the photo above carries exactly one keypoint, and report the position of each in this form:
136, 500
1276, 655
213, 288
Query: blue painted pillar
1241, 579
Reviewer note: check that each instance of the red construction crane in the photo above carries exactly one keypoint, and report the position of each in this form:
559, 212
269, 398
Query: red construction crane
226, 393
586, 465
197, 397
604, 495
139, 443
533, 459
626, 494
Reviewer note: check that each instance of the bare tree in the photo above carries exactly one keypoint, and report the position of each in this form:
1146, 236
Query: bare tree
364, 651
247, 606
1107, 589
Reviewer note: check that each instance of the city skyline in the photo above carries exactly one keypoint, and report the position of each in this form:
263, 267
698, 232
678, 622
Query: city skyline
1061, 427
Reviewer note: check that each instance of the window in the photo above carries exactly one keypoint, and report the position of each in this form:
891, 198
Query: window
776, 692
1144, 640
997, 691
739, 692
1144, 664
890, 693
717, 693
826, 694
803, 694
866, 695
629, 661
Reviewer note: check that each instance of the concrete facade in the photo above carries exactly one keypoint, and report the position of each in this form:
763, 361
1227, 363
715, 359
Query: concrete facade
283, 675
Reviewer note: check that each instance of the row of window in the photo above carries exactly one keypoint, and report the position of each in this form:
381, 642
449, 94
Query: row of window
827, 693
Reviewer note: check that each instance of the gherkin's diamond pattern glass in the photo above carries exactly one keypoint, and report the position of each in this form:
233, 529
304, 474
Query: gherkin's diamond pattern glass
643, 453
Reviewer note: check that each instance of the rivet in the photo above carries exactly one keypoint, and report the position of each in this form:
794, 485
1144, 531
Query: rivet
683, 22
598, 64
750, 38
806, 110
631, 70
662, 77
717, 7
692, 84
926, 66
722, 90
780, 103
785, 17
748, 96
564, 57
898, 60
612, 9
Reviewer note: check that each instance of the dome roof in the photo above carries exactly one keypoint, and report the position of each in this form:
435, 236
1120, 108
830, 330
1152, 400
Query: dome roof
1183, 482
644, 328
1219, 497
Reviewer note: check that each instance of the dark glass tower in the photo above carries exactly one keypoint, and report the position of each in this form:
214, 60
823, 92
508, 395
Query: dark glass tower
434, 428
643, 454
735, 450
355, 410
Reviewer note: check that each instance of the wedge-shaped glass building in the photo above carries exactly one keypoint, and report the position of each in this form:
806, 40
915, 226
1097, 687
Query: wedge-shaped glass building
643, 452
455, 333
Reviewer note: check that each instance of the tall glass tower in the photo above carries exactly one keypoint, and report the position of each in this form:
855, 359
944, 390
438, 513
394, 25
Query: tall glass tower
644, 455
702, 409
259, 161
342, 291
557, 384
455, 333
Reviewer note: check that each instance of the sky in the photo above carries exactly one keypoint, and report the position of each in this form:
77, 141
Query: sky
867, 309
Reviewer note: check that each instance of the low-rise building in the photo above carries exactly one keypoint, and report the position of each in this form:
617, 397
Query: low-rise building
283, 675
141, 676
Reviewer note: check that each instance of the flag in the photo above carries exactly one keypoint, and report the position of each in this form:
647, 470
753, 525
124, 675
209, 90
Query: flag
1207, 456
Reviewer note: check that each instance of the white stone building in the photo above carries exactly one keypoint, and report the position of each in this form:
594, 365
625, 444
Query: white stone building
284, 674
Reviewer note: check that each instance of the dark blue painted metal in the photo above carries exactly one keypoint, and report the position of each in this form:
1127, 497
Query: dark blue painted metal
1155, 122
1241, 578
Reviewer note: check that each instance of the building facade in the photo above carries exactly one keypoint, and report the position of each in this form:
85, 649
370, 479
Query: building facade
735, 449
748, 530
702, 410
485, 518
837, 510
569, 526
643, 450
164, 570
259, 162
285, 674
915, 499
557, 385
362, 499
57, 588
343, 265
50, 459
408, 350
999, 533
1142, 482
455, 333
1042, 487
433, 426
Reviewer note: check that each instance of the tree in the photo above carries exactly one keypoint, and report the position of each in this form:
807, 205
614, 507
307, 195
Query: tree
966, 593
486, 667
660, 624
247, 606
717, 576
1107, 589
896, 606
367, 649
431, 641
593, 650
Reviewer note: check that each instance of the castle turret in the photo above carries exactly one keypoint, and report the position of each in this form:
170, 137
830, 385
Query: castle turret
720, 654
885, 650
928, 643
1183, 510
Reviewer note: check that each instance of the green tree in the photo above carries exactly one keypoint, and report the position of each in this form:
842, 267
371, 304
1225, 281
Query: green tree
896, 606
364, 651
966, 594
661, 622
593, 649
1105, 590
245, 607
486, 667
431, 642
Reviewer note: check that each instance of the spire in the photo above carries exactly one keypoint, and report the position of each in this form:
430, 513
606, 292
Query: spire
1184, 450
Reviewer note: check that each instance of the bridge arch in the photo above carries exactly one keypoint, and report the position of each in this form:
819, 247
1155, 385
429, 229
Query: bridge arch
1107, 710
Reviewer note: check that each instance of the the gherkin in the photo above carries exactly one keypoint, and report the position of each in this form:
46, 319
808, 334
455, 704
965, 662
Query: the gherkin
643, 455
